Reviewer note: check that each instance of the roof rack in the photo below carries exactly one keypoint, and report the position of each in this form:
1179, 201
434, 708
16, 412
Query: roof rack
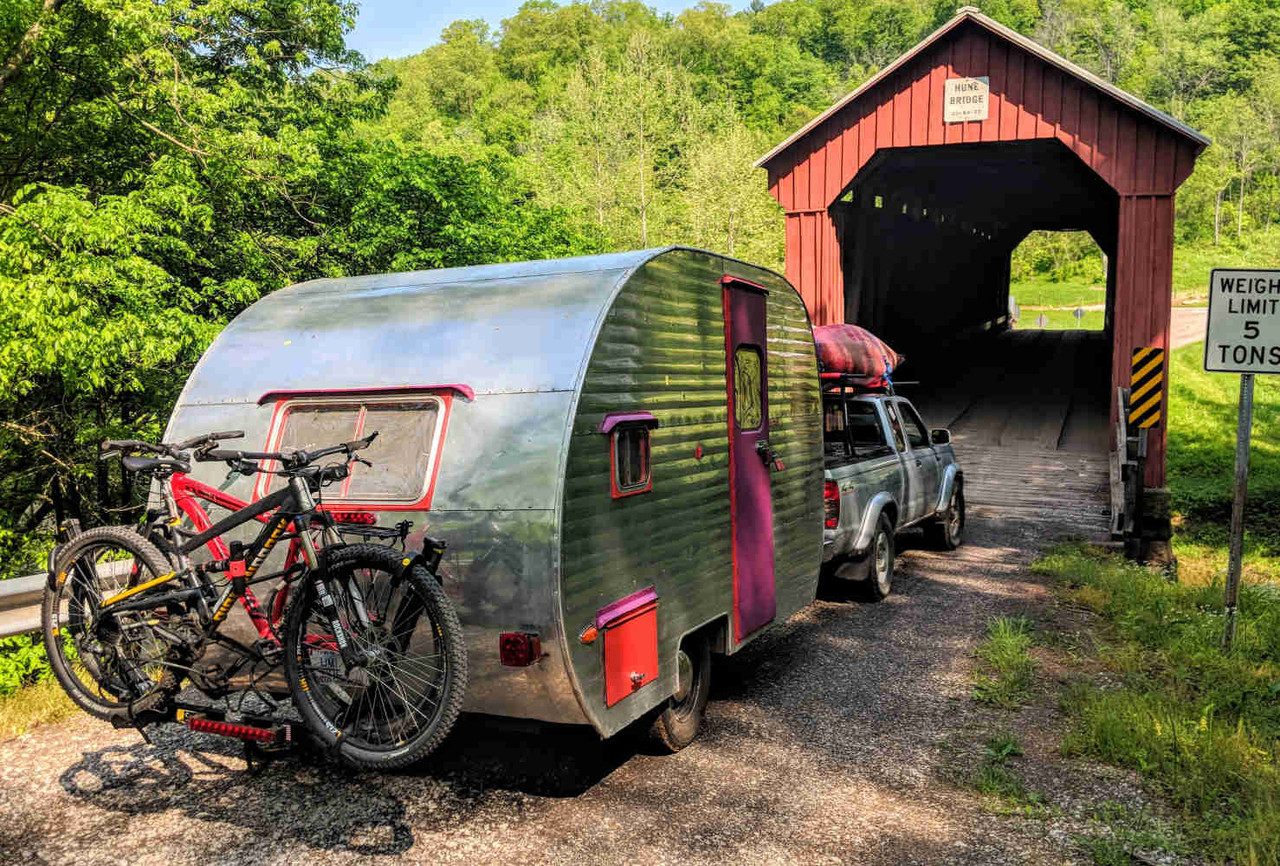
834, 382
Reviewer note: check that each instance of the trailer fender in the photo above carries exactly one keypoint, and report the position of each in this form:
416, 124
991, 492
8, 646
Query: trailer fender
950, 478
871, 517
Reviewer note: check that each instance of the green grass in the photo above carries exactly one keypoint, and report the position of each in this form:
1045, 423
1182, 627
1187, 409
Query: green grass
1002, 789
38, 704
1006, 682
1202, 434
1203, 726
1040, 291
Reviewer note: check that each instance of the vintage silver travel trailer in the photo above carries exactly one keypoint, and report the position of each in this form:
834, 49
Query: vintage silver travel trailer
624, 453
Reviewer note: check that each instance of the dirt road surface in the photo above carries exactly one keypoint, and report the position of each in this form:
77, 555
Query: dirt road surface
844, 736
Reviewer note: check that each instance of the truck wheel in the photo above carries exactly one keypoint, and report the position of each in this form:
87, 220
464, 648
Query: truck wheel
879, 582
679, 722
947, 531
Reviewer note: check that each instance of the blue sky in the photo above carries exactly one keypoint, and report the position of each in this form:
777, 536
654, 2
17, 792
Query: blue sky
396, 28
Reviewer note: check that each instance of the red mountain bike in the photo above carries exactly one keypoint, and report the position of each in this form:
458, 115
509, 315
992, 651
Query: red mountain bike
371, 645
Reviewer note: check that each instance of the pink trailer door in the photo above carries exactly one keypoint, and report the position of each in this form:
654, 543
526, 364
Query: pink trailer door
750, 457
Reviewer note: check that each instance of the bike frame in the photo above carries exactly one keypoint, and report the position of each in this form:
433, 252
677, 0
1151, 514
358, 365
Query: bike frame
184, 494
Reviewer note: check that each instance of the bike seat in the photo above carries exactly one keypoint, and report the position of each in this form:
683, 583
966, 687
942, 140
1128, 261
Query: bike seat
135, 463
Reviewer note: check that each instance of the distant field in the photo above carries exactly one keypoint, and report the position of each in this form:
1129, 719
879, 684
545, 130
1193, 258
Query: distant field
1061, 320
1042, 292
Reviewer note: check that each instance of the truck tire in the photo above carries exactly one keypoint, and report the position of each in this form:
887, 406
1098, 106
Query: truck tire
946, 532
679, 722
879, 582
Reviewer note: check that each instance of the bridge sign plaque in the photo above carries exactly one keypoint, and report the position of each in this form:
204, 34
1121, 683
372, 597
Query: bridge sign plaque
965, 99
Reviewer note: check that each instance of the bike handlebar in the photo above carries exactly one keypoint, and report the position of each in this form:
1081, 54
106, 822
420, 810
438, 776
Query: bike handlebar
289, 459
177, 450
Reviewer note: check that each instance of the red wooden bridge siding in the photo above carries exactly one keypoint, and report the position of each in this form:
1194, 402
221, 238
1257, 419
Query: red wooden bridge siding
1140, 157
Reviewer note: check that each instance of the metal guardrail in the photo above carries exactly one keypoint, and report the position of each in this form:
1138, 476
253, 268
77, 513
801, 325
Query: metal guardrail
20, 599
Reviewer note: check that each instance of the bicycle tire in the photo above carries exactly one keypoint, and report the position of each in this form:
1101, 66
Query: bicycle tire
340, 736
153, 561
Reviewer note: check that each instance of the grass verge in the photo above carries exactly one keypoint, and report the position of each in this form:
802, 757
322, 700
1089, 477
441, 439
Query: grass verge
36, 704
997, 781
1202, 726
1006, 682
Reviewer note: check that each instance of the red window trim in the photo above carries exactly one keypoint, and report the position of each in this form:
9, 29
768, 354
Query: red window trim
466, 391
444, 393
614, 490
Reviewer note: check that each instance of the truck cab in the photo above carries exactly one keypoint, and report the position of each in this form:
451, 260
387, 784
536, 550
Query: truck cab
885, 471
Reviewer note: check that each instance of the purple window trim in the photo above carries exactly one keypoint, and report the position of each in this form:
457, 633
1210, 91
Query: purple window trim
613, 419
624, 606
466, 391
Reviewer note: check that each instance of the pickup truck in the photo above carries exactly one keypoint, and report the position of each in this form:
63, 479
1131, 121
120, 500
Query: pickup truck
885, 471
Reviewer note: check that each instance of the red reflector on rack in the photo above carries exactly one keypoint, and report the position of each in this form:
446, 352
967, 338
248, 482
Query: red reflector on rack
519, 650
231, 729
366, 518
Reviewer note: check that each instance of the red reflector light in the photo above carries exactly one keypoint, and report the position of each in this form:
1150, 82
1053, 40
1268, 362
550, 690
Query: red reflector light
831, 504
230, 729
519, 650
365, 518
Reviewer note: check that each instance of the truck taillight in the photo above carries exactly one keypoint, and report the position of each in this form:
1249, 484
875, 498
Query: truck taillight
831, 504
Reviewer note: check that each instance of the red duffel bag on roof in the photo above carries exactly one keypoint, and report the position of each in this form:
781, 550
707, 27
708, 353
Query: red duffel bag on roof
853, 351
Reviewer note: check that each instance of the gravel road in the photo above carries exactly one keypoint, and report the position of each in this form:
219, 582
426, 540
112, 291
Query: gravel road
839, 737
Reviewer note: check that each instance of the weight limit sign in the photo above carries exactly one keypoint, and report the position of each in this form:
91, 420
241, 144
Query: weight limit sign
1244, 322
1146, 387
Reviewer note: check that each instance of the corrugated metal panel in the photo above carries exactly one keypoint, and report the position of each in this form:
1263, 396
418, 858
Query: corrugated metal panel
661, 349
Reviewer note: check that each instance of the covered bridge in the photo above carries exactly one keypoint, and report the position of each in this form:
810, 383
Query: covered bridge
905, 200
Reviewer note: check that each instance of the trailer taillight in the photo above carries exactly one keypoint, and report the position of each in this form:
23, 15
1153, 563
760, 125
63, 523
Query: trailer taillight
831, 504
519, 650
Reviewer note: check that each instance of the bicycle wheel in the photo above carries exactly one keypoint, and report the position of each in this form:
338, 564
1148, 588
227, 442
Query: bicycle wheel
400, 703
111, 665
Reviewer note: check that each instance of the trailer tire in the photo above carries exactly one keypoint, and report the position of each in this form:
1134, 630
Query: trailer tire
681, 719
879, 582
946, 532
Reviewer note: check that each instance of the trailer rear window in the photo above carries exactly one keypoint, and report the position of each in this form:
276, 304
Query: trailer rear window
402, 455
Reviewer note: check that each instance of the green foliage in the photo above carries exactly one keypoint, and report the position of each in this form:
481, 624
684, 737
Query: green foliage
22, 663
1010, 666
162, 166
1203, 725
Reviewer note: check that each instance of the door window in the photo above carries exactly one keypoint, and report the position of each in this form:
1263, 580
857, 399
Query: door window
748, 392
917, 433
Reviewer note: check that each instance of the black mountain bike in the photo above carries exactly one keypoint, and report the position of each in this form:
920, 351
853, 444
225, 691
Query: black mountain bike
371, 646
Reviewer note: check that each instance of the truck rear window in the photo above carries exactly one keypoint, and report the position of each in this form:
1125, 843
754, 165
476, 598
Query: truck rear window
852, 430
402, 455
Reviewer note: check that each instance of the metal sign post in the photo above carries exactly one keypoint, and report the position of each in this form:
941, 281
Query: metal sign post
1244, 338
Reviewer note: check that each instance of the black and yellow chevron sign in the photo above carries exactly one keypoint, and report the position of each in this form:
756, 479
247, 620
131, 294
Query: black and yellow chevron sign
1146, 387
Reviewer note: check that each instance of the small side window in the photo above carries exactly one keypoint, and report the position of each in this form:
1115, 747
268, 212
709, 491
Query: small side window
629, 457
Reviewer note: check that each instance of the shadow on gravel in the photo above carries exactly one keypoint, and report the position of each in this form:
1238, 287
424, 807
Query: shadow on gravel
204, 778
545, 760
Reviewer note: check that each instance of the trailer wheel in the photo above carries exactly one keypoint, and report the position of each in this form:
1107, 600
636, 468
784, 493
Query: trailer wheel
946, 532
879, 582
679, 722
